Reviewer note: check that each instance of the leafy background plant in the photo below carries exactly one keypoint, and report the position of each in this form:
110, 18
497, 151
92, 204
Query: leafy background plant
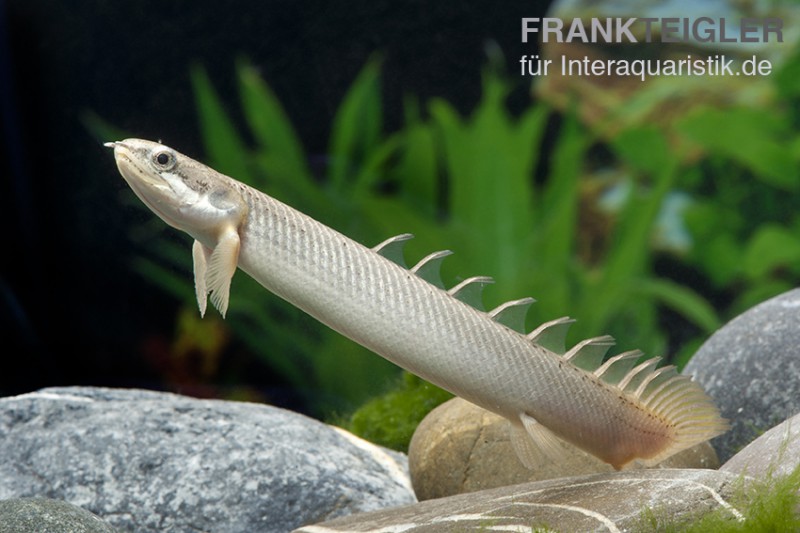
536, 215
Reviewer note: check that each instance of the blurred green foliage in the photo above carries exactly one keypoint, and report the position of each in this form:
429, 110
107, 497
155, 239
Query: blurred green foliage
484, 186
743, 218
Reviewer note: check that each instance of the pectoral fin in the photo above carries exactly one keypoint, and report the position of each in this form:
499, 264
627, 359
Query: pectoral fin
214, 269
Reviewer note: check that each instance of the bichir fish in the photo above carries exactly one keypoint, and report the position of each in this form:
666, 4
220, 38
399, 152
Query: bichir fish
619, 410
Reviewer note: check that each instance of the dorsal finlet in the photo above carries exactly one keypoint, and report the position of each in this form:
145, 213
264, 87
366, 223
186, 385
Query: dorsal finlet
512, 314
552, 335
589, 353
667, 381
632, 380
392, 248
616, 368
676, 388
428, 267
470, 291
653, 380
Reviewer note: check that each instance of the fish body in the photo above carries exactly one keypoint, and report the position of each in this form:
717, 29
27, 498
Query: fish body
617, 410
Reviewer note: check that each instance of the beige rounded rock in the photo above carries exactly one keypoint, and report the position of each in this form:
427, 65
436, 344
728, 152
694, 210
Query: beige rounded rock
460, 447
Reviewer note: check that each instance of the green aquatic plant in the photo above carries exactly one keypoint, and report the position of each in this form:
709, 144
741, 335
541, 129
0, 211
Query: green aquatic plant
744, 195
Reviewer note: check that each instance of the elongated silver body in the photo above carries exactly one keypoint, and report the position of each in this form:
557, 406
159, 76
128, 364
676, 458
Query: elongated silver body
642, 413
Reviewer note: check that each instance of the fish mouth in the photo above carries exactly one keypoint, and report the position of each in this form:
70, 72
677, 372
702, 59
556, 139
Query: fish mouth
134, 174
151, 188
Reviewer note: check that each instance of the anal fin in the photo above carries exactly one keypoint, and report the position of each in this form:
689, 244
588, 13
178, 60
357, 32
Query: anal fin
534, 444
200, 255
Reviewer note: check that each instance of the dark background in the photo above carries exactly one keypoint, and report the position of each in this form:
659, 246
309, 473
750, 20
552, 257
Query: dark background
72, 311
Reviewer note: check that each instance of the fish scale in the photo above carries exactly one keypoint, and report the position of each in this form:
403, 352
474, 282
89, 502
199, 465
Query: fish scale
614, 410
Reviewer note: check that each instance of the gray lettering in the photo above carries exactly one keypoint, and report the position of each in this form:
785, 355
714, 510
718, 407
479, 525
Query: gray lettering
773, 25
746, 26
706, 34
723, 36
669, 27
527, 29
625, 29
577, 30
552, 25
648, 27
607, 31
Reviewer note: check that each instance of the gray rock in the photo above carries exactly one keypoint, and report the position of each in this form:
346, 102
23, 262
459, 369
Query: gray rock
460, 448
148, 461
42, 515
775, 453
752, 370
603, 502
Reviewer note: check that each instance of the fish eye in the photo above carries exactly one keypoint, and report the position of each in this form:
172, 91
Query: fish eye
164, 159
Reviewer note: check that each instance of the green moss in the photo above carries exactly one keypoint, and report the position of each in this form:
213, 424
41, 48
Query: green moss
390, 420
770, 505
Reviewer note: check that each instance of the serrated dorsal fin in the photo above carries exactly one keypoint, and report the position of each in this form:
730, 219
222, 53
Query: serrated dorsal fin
616, 368
653, 382
636, 376
512, 314
673, 391
392, 248
552, 335
428, 267
470, 291
589, 353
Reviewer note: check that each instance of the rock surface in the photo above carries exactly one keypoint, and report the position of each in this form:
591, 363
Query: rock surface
42, 515
603, 502
460, 448
751, 368
148, 461
776, 452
